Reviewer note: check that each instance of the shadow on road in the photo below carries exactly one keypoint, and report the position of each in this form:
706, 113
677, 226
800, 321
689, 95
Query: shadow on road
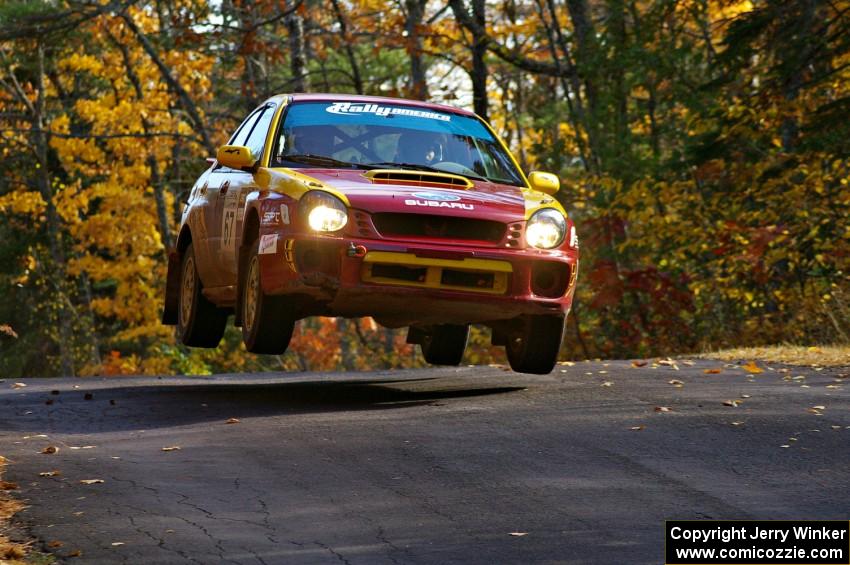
154, 406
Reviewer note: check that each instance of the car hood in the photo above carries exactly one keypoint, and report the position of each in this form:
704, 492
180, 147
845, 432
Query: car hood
485, 200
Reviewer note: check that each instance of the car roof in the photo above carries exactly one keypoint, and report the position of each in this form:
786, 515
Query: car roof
328, 97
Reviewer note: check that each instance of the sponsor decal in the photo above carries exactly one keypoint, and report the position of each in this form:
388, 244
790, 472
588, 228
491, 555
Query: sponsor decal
433, 204
438, 196
228, 224
271, 218
349, 108
573, 238
268, 244
284, 213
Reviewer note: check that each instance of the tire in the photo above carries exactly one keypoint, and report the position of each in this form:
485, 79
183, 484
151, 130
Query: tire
445, 344
199, 322
267, 321
534, 347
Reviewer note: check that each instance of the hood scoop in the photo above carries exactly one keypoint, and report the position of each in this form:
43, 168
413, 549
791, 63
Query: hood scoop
418, 178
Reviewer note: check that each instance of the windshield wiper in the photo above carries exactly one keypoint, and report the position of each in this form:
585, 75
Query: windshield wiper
310, 159
428, 168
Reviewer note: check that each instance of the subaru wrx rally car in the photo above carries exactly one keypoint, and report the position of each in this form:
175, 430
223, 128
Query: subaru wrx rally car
415, 214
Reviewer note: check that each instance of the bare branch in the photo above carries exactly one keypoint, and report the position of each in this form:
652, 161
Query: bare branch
185, 100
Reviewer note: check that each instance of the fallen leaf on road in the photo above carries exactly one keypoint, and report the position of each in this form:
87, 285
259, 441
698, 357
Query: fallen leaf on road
19, 385
745, 396
50, 450
53, 473
566, 363
637, 428
88, 396
232, 421
55, 544
75, 553
663, 409
836, 427
638, 364
819, 407
737, 423
752, 368
677, 383
669, 363
784, 446
607, 383
171, 448
6, 485
518, 534
83, 447
36, 436
91, 481
117, 543
732, 403
815, 411
49, 401
712, 371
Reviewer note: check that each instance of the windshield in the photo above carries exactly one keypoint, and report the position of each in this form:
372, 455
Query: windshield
349, 134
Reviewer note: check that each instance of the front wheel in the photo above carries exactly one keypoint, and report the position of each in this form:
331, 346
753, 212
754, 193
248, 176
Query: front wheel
267, 321
199, 322
445, 344
534, 347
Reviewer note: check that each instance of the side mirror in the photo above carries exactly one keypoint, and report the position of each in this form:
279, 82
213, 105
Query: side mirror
544, 182
235, 156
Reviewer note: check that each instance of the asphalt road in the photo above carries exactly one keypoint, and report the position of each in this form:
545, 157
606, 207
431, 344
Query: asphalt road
469, 465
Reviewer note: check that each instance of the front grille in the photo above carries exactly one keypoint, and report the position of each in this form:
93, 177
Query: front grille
439, 227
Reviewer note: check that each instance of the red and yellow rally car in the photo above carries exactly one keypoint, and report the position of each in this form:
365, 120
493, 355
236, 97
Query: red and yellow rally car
413, 213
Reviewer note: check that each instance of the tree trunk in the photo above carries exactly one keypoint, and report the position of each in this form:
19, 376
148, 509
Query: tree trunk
54, 236
349, 50
153, 164
479, 65
418, 88
297, 60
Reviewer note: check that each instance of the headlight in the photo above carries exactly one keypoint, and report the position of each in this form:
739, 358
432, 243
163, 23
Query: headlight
546, 229
324, 213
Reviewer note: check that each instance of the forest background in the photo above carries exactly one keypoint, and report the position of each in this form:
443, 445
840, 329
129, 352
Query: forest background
702, 145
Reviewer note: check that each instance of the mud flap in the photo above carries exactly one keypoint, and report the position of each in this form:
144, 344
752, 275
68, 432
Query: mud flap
172, 290
415, 335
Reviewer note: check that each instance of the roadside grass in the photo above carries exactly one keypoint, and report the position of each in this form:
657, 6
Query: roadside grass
815, 356
12, 552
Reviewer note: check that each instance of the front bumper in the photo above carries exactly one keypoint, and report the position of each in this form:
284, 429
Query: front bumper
401, 283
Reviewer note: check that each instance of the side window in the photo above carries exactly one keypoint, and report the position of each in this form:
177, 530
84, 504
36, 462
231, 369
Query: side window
256, 139
242, 133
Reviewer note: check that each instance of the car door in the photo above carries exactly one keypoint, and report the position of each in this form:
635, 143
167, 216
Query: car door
233, 186
206, 237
